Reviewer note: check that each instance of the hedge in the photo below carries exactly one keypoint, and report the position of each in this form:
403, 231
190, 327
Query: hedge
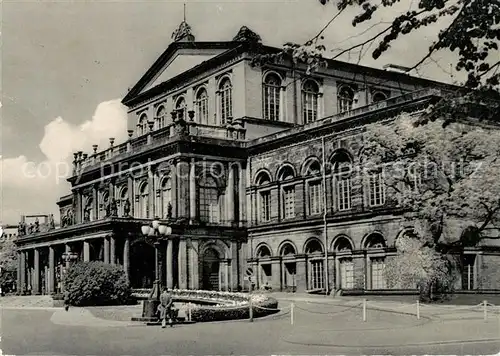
96, 283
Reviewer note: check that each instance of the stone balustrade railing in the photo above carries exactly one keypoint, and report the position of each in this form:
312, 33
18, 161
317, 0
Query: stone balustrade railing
233, 130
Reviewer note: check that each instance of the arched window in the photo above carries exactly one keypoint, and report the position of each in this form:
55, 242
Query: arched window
377, 262
272, 92
310, 94
225, 100
142, 126
378, 96
144, 201
180, 106
345, 98
314, 187
263, 252
202, 106
314, 252
161, 117
103, 204
343, 253
264, 198
122, 200
287, 250
287, 192
166, 196
376, 187
209, 197
342, 170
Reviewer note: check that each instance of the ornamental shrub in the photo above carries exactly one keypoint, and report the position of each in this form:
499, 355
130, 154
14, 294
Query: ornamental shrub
96, 283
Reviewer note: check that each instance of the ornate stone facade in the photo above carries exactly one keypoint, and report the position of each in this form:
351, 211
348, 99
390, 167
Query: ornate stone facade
230, 156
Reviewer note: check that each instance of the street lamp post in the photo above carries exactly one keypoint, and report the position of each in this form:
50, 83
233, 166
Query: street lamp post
154, 231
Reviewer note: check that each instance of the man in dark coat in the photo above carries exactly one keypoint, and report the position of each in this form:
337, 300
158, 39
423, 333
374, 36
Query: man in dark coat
165, 308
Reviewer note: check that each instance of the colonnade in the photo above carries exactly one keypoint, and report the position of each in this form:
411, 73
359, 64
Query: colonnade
40, 269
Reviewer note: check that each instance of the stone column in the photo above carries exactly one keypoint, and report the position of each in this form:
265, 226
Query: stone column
126, 258
151, 194
230, 195
182, 263
112, 253
192, 192
130, 192
67, 251
23, 272
106, 250
86, 251
52, 270
95, 203
36, 265
170, 264
234, 266
19, 271
182, 183
242, 196
195, 277
173, 177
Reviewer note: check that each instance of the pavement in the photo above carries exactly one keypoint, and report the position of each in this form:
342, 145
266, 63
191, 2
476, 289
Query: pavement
320, 325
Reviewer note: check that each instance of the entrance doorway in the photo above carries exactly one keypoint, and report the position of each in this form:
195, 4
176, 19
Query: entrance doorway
142, 265
210, 268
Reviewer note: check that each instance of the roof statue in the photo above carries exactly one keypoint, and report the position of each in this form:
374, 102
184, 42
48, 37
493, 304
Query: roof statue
246, 35
183, 32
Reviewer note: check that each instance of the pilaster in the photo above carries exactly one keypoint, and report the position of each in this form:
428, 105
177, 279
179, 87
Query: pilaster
106, 249
112, 252
170, 264
36, 272
230, 195
86, 251
182, 264
126, 257
192, 191
52, 270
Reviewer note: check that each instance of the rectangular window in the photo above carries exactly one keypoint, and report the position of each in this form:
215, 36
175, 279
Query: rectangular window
316, 280
265, 206
202, 109
377, 191
378, 276
209, 205
468, 262
315, 198
346, 274
272, 102
289, 202
310, 102
343, 193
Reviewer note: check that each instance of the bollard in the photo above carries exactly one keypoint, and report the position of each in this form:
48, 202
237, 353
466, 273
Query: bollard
189, 311
485, 310
418, 309
364, 309
291, 313
251, 309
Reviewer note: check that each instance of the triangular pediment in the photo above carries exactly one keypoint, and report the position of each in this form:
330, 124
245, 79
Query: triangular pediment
180, 62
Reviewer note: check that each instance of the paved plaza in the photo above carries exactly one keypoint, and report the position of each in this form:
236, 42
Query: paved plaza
320, 326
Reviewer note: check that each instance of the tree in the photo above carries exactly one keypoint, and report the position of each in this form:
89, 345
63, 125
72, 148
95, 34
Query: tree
445, 178
8, 262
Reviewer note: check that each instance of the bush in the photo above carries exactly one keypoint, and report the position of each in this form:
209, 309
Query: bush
96, 283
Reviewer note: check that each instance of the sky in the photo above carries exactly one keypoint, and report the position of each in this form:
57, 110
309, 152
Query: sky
67, 64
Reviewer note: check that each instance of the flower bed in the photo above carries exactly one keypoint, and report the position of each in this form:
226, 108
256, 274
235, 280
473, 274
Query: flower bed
227, 305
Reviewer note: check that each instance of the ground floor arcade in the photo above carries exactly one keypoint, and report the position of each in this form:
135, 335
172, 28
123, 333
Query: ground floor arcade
191, 258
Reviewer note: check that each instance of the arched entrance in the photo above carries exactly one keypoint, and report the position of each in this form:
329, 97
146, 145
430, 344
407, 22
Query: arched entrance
142, 265
210, 269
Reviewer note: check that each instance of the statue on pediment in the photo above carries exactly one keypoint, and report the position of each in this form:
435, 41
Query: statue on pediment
86, 213
126, 208
113, 209
37, 225
52, 224
183, 32
169, 211
21, 228
31, 228
247, 35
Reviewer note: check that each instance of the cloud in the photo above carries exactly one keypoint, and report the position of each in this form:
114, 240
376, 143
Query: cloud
34, 187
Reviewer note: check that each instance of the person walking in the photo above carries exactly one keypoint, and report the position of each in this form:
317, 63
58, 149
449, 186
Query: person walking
165, 308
